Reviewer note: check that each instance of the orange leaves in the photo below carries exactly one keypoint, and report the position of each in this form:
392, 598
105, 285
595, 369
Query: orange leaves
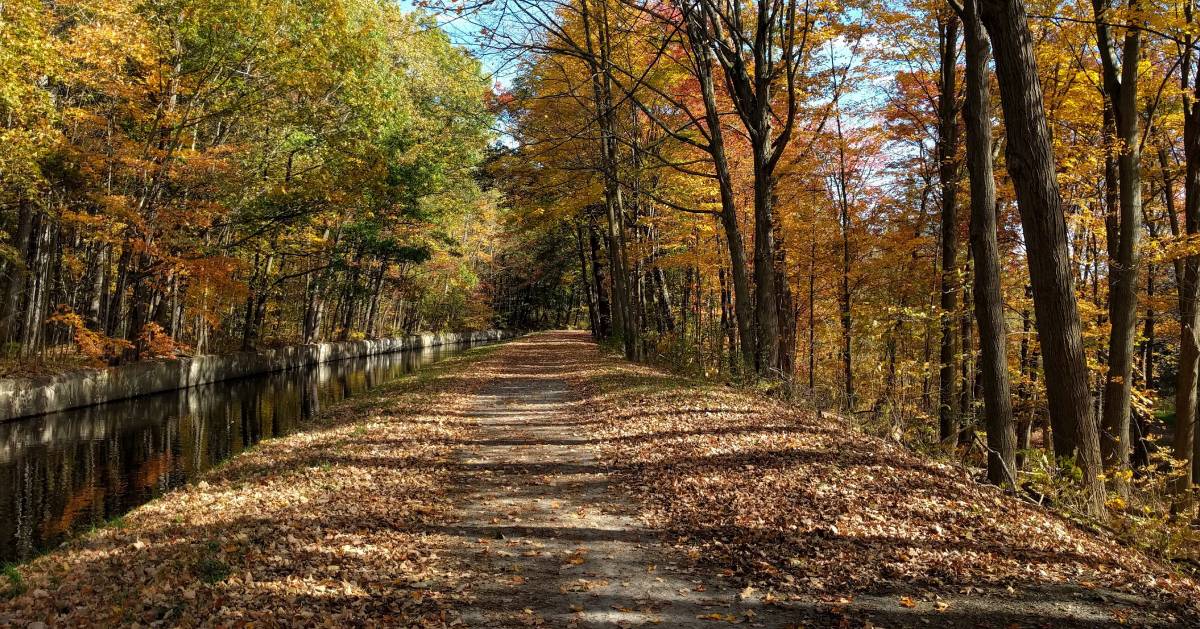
157, 343
100, 349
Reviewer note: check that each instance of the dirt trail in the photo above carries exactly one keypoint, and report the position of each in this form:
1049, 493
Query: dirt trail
553, 540
561, 547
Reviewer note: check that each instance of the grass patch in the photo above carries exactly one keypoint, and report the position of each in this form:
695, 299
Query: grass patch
210, 568
14, 584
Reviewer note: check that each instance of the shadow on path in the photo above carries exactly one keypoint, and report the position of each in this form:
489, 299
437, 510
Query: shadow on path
555, 541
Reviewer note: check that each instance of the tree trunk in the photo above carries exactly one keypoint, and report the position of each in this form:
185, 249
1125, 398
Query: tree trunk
844, 296
603, 307
15, 275
738, 269
1121, 94
662, 296
1032, 169
785, 307
989, 300
947, 149
624, 319
766, 308
1189, 282
589, 291
376, 295
966, 364
752, 73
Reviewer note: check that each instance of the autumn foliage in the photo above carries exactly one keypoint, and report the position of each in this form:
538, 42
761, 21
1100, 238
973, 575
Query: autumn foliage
216, 175
786, 194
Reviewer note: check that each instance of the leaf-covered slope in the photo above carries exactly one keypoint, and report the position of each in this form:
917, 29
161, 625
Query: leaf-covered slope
809, 508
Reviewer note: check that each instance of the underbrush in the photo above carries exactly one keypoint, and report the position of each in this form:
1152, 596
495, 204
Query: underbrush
53, 361
1143, 511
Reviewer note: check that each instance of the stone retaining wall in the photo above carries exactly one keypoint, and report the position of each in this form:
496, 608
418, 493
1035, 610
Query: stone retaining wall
21, 397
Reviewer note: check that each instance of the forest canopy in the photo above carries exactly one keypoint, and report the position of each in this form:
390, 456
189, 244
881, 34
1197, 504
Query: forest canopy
203, 175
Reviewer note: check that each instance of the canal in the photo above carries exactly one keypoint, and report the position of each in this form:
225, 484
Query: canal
66, 472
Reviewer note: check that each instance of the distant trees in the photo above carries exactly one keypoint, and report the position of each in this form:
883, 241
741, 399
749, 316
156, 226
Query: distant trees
225, 174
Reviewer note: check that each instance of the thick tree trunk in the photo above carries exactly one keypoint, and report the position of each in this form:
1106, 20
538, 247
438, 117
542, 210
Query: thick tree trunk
766, 309
1032, 168
1189, 283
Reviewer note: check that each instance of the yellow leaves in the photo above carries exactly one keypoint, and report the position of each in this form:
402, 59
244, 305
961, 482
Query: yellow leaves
907, 601
1169, 248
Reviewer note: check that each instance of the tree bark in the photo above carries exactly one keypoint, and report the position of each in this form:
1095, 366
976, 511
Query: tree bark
1032, 168
989, 300
1189, 282
16, 274
624, 318
603, 306
1120, 89
947, 149
590, 292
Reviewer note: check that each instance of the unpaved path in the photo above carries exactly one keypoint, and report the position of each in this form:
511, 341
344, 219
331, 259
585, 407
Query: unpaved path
559, 545
553, 539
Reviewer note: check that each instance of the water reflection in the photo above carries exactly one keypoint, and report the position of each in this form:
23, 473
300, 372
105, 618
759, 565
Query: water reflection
68, 471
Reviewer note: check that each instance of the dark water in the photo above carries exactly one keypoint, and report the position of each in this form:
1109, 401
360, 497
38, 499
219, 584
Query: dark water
66, 472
